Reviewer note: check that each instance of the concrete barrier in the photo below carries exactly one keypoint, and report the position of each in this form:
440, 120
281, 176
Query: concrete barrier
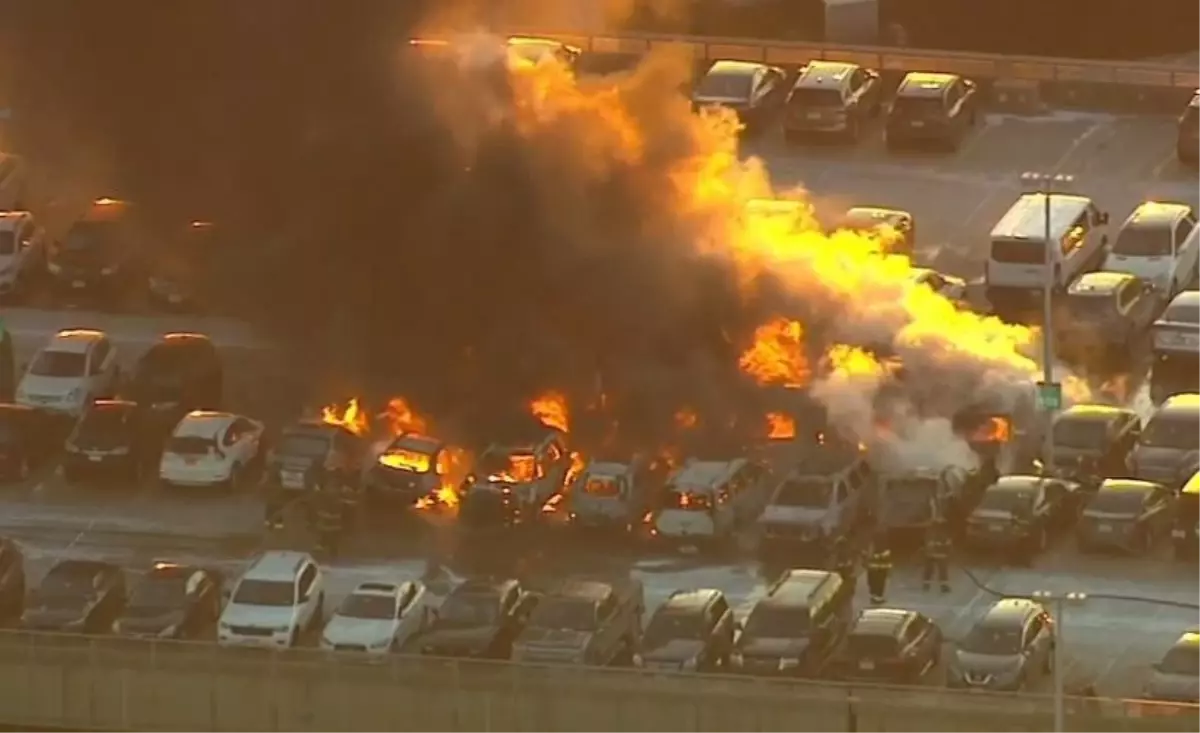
70, 682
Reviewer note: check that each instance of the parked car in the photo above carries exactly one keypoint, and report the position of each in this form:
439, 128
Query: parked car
692, 631
77, 596
889, 645
1006, 650
172, 601
1126, 514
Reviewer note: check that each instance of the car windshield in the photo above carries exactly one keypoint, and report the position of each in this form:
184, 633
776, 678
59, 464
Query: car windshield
159, 593
808, 97
564, 613
1086, 307
1172, 431
50, 363
1008, 500
602, 486
368, 606
871, 645
1081, 434
1143, 242
1186, 312
778, 623
8, 242
665, 627
512, 468
104, 423
992, 640
811, 493
1116, 501
88, 236
303, 445
1019, 251
253, 592
724, 86
1181, 660
469, 610
67, 587
191, 445
403, 459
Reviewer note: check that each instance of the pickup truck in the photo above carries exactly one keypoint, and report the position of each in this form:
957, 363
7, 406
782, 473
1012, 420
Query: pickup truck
584, 622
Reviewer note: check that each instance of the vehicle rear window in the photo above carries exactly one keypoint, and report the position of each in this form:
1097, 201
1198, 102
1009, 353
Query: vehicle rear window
809, 493
1084, 434
564, 613
808, 97
8, 242
1006, 499
603, 486
1172, 431
775, 622
469, 609
103, 423
1182, 660
1143, 241
402, 459
731, 86
872, 645
159, 593
190, 445
1019, 251
1082, 307
1116, 501
363, 605
517, 467
665, 627
303, 445
918, 106
88, 236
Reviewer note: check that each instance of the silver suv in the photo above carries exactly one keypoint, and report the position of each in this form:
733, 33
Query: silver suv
1011, 644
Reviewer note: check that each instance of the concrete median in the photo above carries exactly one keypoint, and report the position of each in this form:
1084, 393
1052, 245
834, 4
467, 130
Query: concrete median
118, 684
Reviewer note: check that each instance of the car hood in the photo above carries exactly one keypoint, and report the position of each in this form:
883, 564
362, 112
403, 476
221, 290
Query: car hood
1164, 458
41, 385
773, 647
1173, 687
343, 630
261, 617
792, 514
1147, 268
675, 651
150, 622
464, 640
986, 663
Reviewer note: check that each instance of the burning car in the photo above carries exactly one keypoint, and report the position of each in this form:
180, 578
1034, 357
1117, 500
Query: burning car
609, 494
532, 470
414, 470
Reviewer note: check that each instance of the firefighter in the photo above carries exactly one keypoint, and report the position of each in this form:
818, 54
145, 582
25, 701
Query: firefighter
879, 567
329, 517
936, 556
274, 505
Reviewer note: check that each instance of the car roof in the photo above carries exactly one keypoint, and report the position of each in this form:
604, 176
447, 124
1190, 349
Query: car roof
726, 67
1006, 610
586, 590
277, 564
693, 600
181, 338
796, 587
1186, 298
881, 621
80, 565
924, 84
484, 585
1126, 486
1026, 218
172, 570
1099, 283
1186, 403
75, 340
706, 475
824, 74
882, 213
1093, 413
376, 588
1016, 482
203, 423
1157, 213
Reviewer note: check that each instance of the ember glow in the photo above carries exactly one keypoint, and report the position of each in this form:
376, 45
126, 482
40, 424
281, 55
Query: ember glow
686, 418
351, 416
780, 426
551, 409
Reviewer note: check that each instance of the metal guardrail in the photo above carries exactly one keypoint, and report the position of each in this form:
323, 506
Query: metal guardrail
991, 66
116, 683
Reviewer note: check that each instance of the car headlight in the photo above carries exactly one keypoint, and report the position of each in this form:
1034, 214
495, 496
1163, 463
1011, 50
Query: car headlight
690, 664
638, 661
54, 268
169, 631
789, 663
116, 627
75, 395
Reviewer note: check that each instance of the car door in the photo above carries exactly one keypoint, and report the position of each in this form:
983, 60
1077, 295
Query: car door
1185, 259
408, 617
305, 597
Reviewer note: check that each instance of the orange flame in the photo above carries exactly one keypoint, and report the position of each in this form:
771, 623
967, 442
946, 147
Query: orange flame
996, 429
551, 409
577, 465
352, 417
777, 355
400, 418
451, 470
780, 426
686, 418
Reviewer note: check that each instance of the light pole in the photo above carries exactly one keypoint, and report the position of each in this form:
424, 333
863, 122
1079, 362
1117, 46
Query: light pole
1047, 184
1058, 604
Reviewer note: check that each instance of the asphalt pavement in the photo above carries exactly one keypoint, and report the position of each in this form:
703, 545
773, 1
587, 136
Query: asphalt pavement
1119, 161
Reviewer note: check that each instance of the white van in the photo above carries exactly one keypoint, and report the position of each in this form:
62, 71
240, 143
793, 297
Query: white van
1158, 243
706, 502
1017, 256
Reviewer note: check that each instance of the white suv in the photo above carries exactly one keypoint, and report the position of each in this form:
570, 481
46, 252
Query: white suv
22, 249
277, 599
78, 366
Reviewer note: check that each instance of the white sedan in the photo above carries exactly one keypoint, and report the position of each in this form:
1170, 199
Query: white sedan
378, 618
209, 448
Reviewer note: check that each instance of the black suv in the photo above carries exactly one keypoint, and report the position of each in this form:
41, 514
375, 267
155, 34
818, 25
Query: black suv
480, 618
889, 645
693, 630
1093, 442
180, 373
109, 441
831, 98
172, 602
311, 454
97, 255
1187, 140
27, 440
936, 108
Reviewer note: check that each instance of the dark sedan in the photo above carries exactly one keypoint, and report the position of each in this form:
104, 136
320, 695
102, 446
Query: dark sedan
1168, 448
934, 108
480, 618
172, 602
77, 596
1017, 514
691, 631
889, 645
754, 92
110, 441
1126, 514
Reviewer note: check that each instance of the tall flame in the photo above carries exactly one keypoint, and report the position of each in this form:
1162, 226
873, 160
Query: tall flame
352, 417
551, 409
400, 418
777, 354
780, 426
